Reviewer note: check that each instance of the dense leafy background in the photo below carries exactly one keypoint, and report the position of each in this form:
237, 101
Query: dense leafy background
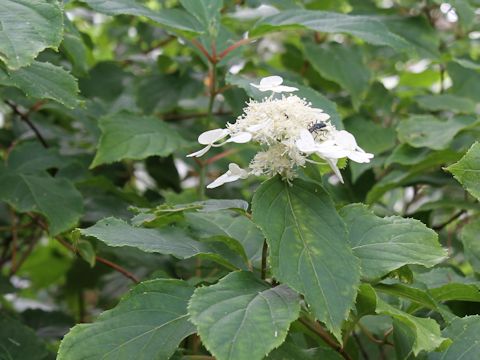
100, 103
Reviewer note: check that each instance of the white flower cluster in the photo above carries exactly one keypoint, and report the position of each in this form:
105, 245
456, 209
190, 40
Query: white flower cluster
289, 130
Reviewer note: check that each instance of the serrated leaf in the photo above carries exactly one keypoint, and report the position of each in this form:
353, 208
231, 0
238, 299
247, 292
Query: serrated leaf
467, 170
308, 247
242, 317
470, 237
26, 28
129, 136
18, 341
172, 18
86, 251
169, 241
429, 131
343, 65
386, 244
207, 12
32, 157
465, 333
41, 193
148, 323
368, 28
447, 102
229, 223
41, 80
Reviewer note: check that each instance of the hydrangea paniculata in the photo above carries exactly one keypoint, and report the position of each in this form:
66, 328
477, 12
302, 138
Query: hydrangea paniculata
289, 130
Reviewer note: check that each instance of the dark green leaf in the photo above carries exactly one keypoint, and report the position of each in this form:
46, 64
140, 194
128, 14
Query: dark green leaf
148, 323
467, 170
471, 244
386, 244
242, 317
446, 102
26, 28
129, 136
308, 247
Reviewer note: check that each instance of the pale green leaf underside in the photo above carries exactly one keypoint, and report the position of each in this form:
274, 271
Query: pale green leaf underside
28, 27
467, 170
147, 324
41, 80
171, 18
386, 244
242, 317
308, 247
168, 241
41, 193
130, 136
368, 28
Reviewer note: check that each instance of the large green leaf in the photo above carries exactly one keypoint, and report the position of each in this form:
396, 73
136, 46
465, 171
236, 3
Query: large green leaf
467, 170
429, 131
26, 28
207, 12
171, 18
470, 237
18, 341
242, 317
447, 102
56, 199
169, 241
129, 136
466, 80
42, 80
365, 27
465, 333
232, 224
308, 247
386, 244
148, 323
343, 65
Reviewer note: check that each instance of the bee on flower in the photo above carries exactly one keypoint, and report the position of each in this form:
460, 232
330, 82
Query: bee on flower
288, 130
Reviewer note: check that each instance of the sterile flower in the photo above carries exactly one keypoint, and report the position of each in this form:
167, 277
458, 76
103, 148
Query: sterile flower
288, 130
210, 138
273, 83
234, 173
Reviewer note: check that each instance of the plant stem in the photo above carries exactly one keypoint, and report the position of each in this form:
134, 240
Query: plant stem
264, 260
27, 120
325, 336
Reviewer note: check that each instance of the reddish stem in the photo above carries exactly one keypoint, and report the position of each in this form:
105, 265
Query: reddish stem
232, 47
203, 50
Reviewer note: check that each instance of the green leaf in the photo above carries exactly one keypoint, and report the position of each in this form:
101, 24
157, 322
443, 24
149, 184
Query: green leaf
465, 333
466, 81
317, 99
169, 241
242, 317
372, 137
291, 351
308, 247
149, 323
429, 131
75, 49
56, 199
129, 136
405, 154
42, 80
386, 244
447, 102
207, 12
471, 245
460, 292
232, 224
32, 157
426, 331
18, 341
343, 65
171, 18
467, 170
365, 27
86, 251
26, 28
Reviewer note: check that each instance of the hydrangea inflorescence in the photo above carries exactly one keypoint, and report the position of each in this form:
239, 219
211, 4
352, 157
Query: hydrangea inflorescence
289, 130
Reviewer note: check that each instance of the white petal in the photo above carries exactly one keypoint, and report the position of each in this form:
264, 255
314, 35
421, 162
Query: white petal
200, 152
241, 138
322, 116
360, 156
222, 179
306, 142
345, 140
328, 149
270, 81
235, 170
210, 136
336, 170
234, 173
282, 88
257, 127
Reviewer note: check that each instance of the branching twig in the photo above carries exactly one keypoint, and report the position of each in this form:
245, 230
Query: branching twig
27, 120
450, 220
